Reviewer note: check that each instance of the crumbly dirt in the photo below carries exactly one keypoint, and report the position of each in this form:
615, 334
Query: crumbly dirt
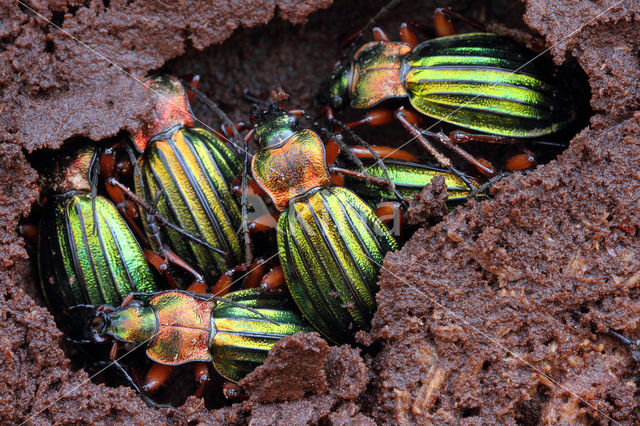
497, 314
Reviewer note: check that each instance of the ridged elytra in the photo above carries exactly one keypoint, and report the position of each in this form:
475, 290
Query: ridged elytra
86, 252
191, 168
330, 242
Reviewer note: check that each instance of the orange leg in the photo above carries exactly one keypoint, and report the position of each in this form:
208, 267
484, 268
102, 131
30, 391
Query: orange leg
192, 79
442, 24
521, 161
335, 171
379, 34
201, 371
29, 232
233, 392
255, 271
273, 282
332, 150
385, 152
407, 35
374, 117
156, 376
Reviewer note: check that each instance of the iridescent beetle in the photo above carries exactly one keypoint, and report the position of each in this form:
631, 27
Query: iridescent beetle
86, 252
178, 327
479, 81
331, 243
185, 172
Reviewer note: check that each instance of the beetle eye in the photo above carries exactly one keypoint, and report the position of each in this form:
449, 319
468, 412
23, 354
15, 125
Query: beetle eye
336, 102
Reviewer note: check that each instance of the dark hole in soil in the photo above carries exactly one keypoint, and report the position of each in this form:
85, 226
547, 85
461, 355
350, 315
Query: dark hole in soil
296, 59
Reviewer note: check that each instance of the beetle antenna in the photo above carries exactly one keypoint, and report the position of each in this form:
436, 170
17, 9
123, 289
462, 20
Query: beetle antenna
349, 43
487, 184
250, 98
215, 108
391, 184
129, 379
245, 226
94, 169
163, 220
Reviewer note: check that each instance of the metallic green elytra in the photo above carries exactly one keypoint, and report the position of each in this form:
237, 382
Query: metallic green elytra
331, 244
86, 252
182, 327
243, 338
192, 169
331, 247
410, 178
479, 81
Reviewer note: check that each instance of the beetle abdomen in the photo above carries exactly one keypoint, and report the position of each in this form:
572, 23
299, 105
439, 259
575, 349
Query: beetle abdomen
87, 261
193, 169
484, 82
242, 338
331, 248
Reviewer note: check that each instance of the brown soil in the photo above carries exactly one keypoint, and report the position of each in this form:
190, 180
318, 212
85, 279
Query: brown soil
498, 314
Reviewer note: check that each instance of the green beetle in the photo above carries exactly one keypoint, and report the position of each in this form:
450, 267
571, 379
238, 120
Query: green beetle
330, 242
484, 82
86, 252
235, 333
190, 169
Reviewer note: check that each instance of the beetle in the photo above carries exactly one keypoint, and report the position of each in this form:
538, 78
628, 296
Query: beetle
86, 252
191, 169
178, 327
481, 81
330, 242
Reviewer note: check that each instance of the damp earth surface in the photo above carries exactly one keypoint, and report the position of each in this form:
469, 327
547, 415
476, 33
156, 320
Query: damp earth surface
497, 312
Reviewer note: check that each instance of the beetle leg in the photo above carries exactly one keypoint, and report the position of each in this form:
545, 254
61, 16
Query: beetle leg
156, 376
273, 281
192, 79
391, 212
255, 272
113, 353
127, 300
197, 287
339, 170
332, 150
173, 258
148, 400
253, 189
521, 161
264, 222
201, 370
407, 35
443, 25
379, 35
416, 133
633, 346
386, 153
29, 232
390, 183
160, 265
374, 117
233, 391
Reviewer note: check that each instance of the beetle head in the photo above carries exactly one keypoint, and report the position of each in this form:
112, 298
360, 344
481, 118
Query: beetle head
273, 126
133, 323
335, 89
